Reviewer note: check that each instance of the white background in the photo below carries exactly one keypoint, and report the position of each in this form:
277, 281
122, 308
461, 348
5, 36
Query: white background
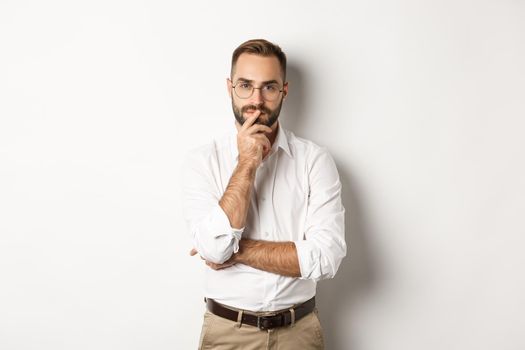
421, 103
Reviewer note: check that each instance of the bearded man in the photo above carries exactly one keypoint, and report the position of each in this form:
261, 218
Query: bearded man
264, 210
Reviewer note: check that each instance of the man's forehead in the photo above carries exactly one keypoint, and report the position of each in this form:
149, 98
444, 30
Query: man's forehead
257, 68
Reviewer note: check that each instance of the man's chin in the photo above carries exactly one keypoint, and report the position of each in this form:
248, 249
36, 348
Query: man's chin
260, 121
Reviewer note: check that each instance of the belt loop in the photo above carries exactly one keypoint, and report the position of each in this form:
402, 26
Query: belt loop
292, 313
239, 319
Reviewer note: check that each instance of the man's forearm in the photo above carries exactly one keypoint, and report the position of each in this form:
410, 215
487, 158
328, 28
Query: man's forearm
236, 199
277, 257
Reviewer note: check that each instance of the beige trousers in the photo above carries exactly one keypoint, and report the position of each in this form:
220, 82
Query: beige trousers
222, 334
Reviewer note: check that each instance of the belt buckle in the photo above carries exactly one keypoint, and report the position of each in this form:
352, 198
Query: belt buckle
267, 322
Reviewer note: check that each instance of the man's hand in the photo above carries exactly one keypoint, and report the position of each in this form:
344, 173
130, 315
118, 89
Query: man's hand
252, 143
214, 266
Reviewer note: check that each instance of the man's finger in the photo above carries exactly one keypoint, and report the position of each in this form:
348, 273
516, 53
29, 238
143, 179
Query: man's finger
259, 128
213, 265
219, 266
251, 119
193, 251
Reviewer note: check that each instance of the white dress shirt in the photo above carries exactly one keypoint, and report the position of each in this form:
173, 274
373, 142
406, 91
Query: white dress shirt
296, 197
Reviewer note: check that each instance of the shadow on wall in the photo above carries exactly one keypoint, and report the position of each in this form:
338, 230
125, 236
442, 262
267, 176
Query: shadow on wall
357, 274
354, 280
294, 115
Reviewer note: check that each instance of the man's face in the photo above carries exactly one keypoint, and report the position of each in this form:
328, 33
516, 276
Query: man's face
257, 71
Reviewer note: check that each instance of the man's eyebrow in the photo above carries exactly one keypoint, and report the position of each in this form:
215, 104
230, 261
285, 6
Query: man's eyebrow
244, 80
270, 82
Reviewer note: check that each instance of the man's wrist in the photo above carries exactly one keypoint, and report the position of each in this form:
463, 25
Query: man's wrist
248, 165
239, 257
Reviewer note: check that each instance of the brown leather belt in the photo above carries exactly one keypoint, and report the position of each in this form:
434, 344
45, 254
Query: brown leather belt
268, 320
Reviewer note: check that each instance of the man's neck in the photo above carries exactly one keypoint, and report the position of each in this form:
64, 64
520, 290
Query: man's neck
273, 135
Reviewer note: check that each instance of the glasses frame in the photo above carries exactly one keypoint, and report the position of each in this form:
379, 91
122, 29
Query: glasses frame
253, 90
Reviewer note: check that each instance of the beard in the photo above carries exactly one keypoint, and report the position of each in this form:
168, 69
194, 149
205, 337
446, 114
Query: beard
271, 114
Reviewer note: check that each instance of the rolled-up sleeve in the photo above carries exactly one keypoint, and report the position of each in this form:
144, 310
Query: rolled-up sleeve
210, 228
323, 246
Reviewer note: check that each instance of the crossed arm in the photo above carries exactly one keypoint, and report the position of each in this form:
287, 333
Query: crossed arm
277, 257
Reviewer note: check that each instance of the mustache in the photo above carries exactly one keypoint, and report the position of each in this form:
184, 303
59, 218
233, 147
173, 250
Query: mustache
255, 108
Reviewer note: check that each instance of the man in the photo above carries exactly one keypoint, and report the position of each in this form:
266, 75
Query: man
264, 210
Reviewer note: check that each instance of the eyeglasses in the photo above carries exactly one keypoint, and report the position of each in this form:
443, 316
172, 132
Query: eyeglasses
270, 92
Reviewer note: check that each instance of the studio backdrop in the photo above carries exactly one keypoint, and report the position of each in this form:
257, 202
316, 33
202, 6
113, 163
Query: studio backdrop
420, 103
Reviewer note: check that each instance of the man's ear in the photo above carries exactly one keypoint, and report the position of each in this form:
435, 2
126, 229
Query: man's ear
229, 86
285, 90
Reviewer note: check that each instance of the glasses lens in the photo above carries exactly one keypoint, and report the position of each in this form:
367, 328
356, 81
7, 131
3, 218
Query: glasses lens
270, 92
244, 90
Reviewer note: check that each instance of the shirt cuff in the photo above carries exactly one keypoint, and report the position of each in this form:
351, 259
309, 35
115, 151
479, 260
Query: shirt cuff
309, 256
220, 225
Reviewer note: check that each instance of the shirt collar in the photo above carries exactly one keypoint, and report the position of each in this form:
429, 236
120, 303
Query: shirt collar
281, 141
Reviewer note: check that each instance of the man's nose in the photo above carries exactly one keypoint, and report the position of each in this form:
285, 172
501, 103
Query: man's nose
256, 97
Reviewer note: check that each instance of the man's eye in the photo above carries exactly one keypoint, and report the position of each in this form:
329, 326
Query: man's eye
244, 85
270, 88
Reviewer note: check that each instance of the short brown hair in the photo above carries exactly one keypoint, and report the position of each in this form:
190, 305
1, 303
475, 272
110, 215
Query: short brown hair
260, 47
